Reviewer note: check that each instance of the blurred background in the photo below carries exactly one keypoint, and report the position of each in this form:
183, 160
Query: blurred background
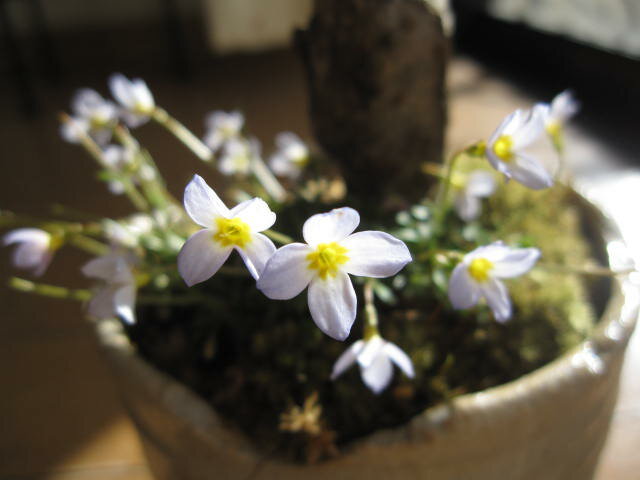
61, 418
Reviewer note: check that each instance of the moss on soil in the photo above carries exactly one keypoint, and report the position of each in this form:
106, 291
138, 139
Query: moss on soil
253, 359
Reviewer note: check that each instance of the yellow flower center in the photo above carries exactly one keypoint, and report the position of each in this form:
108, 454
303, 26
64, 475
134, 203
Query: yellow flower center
554, 129
479, 269
502, 147
327, 258
232, 231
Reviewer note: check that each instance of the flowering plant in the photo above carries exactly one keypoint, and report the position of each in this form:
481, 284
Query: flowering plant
168, 272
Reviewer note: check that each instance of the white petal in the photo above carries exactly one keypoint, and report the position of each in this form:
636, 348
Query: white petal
516, 262
133, 120
564, 106
480, 183
370, 351
203, 204
27, 235
378, 375
74, 129
86, 101
283, 166
375, 254
142, 95
467, 206
530, 172
347, 359
330, 227
255, 213
124, 300
285, 139
506, 127
286, 273
497, 298
257, 253
201, 257
332, 303
463, 291
102, 303
112, 268
531, 129
121, 89
400, 358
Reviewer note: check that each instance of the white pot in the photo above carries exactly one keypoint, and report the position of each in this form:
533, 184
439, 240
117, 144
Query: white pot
549, 424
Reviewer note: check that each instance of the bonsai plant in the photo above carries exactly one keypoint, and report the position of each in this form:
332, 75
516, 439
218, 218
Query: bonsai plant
468, 288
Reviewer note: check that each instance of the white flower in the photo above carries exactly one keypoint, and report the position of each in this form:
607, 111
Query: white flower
478, 184
35, 249
224, 231
374, 357
291, 157
479, 272
128, 232
134, 96
237, 156
92, 115
562, 108
116, 296
222, 127
324, 262
117, 158
505, 148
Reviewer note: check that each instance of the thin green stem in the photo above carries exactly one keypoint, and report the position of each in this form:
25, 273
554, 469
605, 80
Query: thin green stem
96, 153
87, 244
370, 312
52, 291
278, 237
183, 134
268, 179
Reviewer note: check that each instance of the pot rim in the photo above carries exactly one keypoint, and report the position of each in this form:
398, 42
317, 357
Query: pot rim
498, 404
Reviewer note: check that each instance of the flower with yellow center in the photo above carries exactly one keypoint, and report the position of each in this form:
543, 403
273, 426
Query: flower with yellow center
135, 98
92, 115
224, 231
506, 148
324, 263
35, 248
237, 156
327, 258
221, 127
562, 108
478, 276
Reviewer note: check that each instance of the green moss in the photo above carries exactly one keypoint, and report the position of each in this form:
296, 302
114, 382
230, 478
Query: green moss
256, 359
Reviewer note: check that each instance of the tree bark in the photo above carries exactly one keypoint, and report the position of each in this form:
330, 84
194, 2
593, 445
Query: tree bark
376, 74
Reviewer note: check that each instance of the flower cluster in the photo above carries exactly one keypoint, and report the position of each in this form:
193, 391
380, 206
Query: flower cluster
137, 257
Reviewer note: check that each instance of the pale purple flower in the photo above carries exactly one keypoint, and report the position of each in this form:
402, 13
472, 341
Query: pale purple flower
506, 148
291, 157
116, 294
375, 357
91, 115
324, 263
221, 127
478, 276
135, 98
224, 231
34, 250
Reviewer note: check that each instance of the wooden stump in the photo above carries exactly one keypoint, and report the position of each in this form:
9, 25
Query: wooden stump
376, 74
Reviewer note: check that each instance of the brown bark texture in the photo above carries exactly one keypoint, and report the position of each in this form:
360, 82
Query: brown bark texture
376, 73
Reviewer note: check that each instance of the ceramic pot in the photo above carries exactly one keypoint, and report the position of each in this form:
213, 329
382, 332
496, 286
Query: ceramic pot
549, 424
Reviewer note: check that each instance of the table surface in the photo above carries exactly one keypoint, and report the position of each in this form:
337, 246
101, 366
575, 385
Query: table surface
61, 417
